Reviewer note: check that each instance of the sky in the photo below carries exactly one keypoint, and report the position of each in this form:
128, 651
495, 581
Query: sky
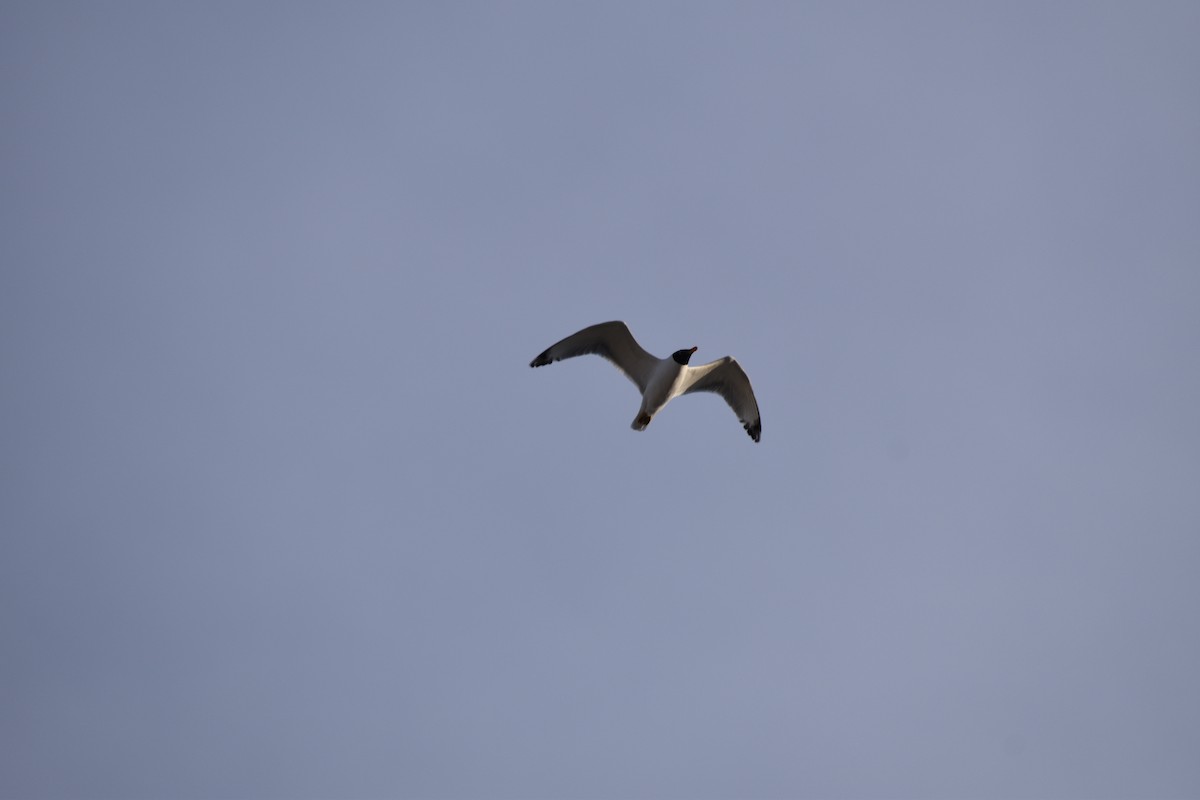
285, 513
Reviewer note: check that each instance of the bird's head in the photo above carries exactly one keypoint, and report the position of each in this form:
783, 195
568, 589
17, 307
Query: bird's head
682, 356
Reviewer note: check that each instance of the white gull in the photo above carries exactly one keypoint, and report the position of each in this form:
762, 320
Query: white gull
661, 380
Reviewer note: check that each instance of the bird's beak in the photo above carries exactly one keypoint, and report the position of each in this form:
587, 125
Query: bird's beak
694, 349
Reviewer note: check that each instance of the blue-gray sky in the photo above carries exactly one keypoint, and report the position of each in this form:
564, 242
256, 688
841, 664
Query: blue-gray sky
286, 514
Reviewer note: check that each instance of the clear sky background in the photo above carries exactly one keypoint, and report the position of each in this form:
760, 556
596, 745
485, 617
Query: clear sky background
285, 513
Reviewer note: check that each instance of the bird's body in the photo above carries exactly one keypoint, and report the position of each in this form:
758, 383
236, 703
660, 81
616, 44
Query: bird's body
665, 381
660, 380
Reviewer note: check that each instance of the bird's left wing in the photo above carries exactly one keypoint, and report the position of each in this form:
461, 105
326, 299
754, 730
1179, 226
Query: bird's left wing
727, 378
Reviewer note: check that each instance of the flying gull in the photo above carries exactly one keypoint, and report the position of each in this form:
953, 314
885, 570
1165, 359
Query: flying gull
661, 380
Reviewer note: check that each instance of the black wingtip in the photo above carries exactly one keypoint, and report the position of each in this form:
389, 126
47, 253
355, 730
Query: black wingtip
755, 429
542, 360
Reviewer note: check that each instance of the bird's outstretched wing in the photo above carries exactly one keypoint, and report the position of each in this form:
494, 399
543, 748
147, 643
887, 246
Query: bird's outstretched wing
727, 378
613, 341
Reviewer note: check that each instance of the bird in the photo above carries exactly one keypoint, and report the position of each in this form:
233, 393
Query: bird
660, 380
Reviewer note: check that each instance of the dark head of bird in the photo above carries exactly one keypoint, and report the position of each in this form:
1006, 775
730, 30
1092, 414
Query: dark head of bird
683, 356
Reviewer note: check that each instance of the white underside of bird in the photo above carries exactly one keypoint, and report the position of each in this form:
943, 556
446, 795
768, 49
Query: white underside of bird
661, 380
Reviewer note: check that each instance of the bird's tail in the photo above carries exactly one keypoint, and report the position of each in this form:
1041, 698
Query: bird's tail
639, 424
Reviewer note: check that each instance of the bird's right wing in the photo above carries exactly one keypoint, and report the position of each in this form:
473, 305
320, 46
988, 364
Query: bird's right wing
613, 341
